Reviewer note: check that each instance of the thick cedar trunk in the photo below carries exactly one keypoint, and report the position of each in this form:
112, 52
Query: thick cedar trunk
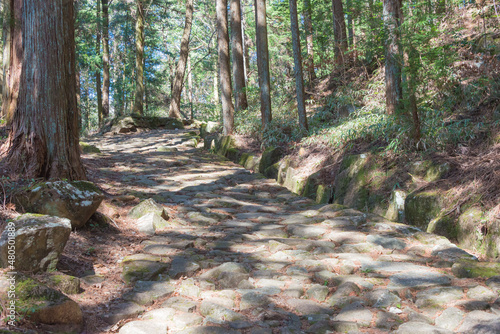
339, 31
263, 62
98, 70
43, 141
299, 80
309, 41
225, 69
350, 25
216, 86
139, 59
12, 57
240, 95
105, 59
393, 89
175, 107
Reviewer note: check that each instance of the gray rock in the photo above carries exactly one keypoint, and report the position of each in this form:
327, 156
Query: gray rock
182, 266
189, 288
494, 283
306, 307
253, 300
417, 280
481, 293
122, 311
415, 327
451, 253
386, 320
438, 297
142, 267
148, 206
146, 292
305, 231
318, 292
386, 242
355, 312
480, 322
39, 241
75, 200
383, 267
180, 304
382, 298
163, 315
450, 318
208, 330
345, 326
219, 313
199, 218
148, 223
143, 327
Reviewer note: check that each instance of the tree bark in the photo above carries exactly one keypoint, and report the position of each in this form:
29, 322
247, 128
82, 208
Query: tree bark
393, 88
139, 59
190, 87
240, 95
263, 62
297, 57
175, 107
98, 69
309, 41
105, 59
12, 57
339, 31
43, 141
225, 69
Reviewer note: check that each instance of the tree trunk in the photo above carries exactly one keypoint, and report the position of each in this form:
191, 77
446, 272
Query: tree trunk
247, 43
225, 69
240, 95
139, 59
175, 107
299, 80
105, 59
44, 139
309, 41
263, 62
190, 87
98, 69
350, 25
12, 57
216, 86
393, 89
339, 31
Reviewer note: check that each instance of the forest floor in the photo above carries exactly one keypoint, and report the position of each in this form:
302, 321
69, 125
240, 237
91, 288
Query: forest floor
241, 254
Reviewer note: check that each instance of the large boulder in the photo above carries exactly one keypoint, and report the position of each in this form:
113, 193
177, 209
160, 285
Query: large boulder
209, 128
124, 125
38, 239
41, 304
75, 200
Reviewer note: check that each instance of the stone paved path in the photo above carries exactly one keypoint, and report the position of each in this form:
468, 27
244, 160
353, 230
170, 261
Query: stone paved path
244, 255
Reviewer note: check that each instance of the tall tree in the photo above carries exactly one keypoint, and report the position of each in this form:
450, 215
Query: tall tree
299, 80
43, 141
98, 69
175, 103
105, 58
240, 95
12, 57
139, 58
309, 41
190, 87
225, 69
392, 22
263, 62
339, 31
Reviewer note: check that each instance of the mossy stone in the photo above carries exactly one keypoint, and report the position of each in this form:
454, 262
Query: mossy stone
146, 207
271, 172
45, 305
445, 226
233, 154
422, 207
472, 269
270, 156
88, 148
323, 194
470, 231
142, 267
65, 283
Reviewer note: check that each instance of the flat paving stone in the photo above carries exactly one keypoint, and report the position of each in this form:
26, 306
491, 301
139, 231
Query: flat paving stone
417, 280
